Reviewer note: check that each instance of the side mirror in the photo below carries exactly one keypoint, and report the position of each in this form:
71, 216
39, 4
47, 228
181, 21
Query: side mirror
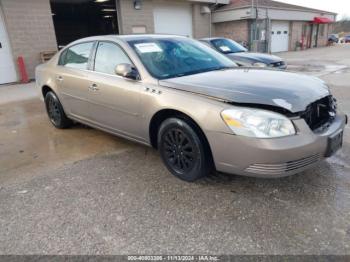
127, 71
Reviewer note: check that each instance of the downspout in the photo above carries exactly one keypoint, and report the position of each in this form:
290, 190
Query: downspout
268, 31
317, 32
256, 20
210, 23
251, 27
211, 18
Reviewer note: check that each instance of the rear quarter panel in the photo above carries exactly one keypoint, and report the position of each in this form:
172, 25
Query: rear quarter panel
45, 76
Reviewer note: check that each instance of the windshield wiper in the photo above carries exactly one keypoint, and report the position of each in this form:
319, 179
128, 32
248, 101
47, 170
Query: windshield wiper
201, 71
221, 68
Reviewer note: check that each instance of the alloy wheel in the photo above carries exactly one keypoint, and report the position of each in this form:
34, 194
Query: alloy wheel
54, 110
179, 150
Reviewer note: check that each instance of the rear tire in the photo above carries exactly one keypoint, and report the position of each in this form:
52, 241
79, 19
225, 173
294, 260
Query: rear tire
183, 150
55, 111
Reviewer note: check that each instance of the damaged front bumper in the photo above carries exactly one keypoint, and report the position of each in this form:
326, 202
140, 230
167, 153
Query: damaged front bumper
276, 157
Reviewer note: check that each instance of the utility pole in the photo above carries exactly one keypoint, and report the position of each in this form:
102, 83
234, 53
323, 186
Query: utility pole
268, 32
256, 20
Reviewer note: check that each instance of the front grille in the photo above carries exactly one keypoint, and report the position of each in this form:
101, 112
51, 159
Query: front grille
278, 64
320, 113
280, 169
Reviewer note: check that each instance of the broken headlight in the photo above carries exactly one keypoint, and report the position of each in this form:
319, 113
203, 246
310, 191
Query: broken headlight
257, 123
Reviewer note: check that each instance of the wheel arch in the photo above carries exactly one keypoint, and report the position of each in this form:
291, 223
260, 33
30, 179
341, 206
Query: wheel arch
45, 89
160, 116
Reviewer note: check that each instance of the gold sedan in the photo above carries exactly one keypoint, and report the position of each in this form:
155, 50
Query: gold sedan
193, 104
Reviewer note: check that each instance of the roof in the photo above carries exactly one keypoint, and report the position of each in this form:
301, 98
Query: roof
126, 37
236, 4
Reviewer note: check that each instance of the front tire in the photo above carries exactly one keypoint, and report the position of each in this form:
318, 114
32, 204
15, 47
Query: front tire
183, 150
55, 111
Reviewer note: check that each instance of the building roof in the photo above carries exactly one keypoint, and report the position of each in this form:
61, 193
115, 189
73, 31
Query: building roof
236, 4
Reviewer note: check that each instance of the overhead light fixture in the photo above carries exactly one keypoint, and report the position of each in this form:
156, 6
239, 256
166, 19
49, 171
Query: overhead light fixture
109, 10
205, 9
137, 4
107, 16
101, 1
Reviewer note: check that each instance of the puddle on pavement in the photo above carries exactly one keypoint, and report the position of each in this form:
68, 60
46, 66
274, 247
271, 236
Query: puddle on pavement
29, 141
317, 69
341, 159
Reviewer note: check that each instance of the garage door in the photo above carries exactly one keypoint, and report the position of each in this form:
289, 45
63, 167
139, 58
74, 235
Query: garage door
7, 67
279, 36
173, 18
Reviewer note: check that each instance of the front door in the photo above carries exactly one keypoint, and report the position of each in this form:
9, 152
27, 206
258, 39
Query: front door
7, 66
114, 101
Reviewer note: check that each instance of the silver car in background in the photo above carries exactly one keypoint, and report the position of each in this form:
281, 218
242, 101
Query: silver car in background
241, 56
193, 104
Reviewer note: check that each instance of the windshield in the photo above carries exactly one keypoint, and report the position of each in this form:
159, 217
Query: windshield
227, 46
175, 57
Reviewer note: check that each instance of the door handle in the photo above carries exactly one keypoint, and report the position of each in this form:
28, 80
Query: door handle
59, 78
94, 87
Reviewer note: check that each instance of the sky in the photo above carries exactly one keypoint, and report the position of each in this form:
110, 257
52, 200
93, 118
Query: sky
342, 7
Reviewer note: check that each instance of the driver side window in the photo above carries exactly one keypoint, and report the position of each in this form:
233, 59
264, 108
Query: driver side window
108, 56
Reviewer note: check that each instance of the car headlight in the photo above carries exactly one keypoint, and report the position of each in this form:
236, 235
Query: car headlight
259, 64
257, 123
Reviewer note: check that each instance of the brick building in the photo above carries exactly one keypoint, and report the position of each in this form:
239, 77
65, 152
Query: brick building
29, 27
277, 26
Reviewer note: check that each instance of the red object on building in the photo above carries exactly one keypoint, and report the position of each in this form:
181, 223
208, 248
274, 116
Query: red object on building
22, 70
322, 20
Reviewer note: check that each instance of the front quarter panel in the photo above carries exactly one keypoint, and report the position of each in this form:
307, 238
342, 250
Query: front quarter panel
203, 110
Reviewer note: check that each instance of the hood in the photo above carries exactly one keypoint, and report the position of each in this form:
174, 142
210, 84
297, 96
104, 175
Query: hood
254, 57
290, 91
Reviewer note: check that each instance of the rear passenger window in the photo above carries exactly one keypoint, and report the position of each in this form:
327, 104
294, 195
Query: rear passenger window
108, 56
76, 56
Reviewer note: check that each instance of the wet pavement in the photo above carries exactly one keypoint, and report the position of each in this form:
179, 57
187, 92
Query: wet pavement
81, 191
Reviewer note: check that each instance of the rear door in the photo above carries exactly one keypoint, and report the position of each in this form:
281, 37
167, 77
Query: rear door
115, 101
74, 79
